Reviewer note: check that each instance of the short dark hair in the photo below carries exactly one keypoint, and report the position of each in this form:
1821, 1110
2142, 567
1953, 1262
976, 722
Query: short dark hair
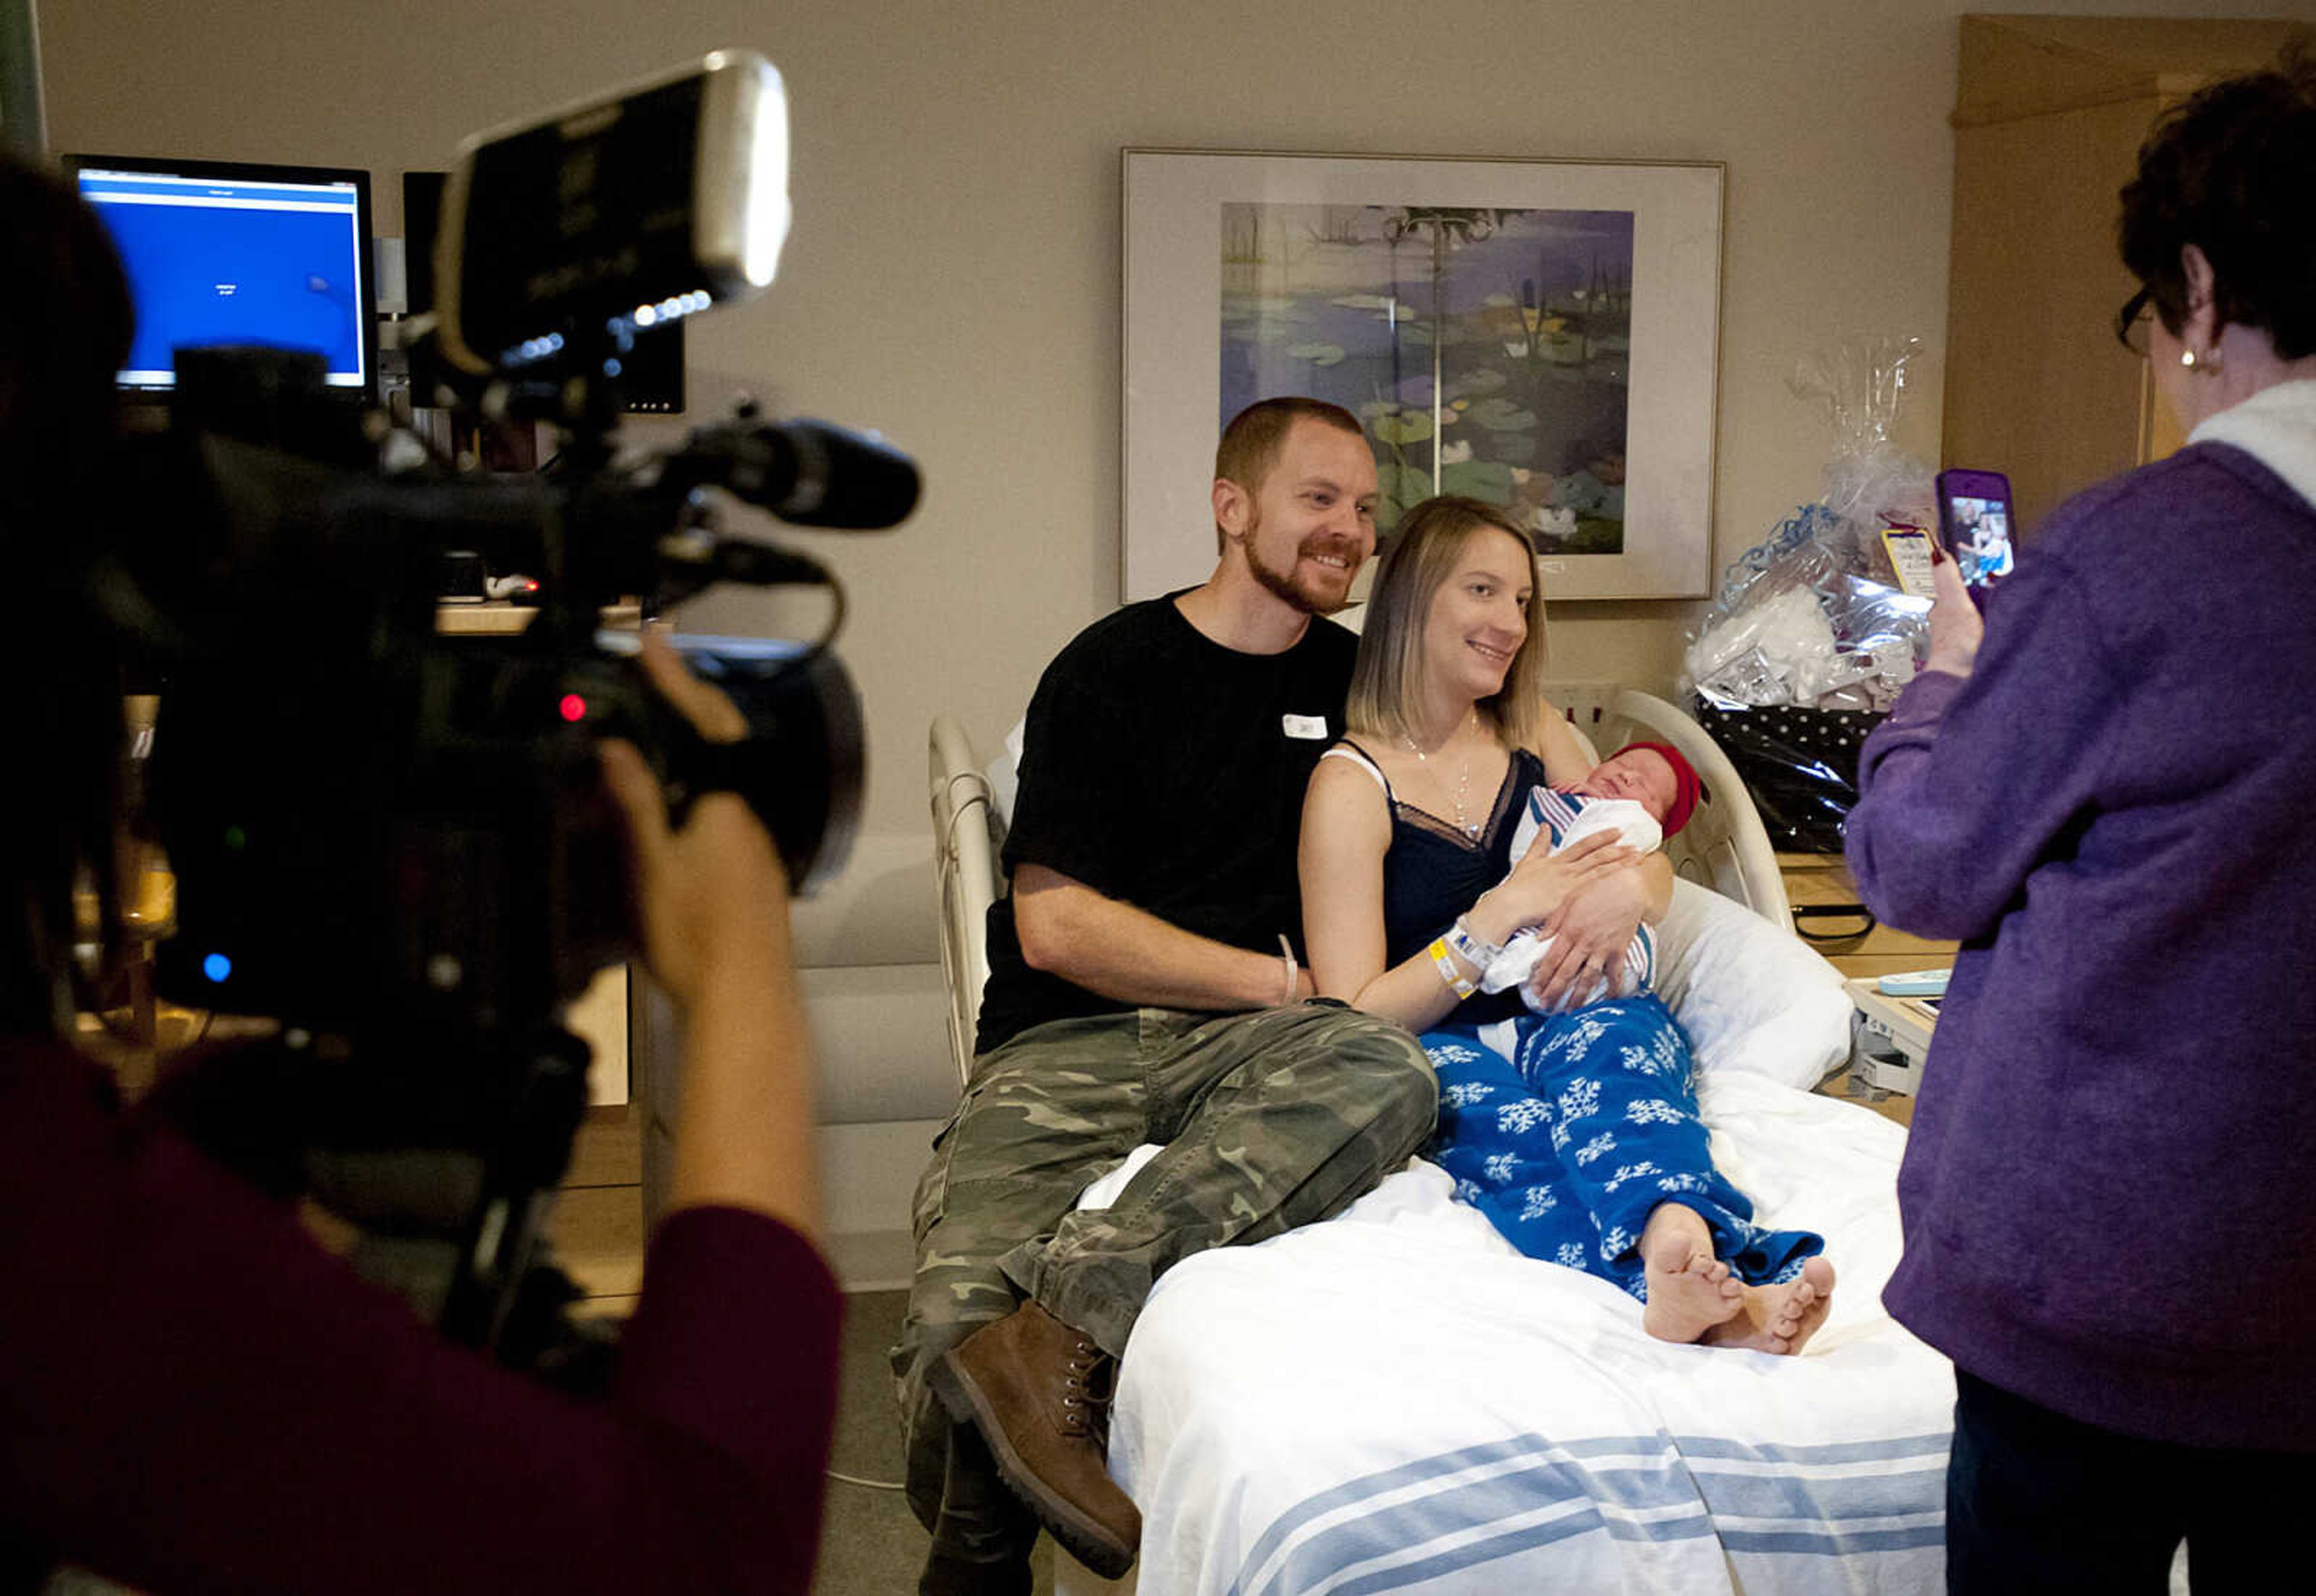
2229, 170
1249, 443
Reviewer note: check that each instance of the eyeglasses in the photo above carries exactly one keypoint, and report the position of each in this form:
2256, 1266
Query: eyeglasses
2131, 321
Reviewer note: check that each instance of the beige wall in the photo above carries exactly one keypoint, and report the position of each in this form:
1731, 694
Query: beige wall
953, 276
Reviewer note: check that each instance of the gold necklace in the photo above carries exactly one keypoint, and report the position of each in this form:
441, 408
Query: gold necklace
1468, 826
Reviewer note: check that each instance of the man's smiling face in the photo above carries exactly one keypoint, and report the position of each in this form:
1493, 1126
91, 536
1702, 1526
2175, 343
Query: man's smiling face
1312, 523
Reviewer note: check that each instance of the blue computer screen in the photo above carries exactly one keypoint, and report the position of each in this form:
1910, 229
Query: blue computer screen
214, 261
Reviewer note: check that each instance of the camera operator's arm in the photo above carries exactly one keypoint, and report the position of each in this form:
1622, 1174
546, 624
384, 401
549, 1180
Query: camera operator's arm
714, 904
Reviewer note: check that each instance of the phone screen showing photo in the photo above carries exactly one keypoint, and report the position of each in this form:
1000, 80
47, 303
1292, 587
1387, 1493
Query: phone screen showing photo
1979, 534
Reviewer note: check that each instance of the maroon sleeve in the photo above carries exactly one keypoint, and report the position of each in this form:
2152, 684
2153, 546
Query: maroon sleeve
193, 1397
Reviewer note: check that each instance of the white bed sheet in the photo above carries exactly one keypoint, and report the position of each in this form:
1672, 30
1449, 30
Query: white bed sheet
1397, 1400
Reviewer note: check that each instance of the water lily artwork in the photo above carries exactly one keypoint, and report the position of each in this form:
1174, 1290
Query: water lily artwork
1487, 349
1540, 334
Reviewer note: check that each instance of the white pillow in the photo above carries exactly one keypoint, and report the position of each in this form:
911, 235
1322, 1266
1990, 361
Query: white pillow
1752, 995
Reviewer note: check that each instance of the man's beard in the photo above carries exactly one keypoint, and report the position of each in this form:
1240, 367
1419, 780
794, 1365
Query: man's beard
1282, 583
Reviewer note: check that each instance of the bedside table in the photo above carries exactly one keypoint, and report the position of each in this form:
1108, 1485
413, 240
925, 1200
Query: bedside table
1891, 1036
1881, 1073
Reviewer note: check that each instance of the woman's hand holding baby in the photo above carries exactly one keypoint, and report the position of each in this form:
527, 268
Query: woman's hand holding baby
1541, 882
1590, 931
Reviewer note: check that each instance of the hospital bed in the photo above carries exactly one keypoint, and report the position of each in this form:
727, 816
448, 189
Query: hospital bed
1395, 1400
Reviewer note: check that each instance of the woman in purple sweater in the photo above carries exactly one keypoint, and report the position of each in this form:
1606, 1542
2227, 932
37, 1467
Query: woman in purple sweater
193, 1396
2104, 793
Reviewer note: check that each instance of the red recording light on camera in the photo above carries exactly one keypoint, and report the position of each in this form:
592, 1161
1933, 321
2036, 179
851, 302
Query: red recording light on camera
573, 708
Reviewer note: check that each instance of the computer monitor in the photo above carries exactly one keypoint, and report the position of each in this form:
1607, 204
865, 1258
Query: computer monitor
222, 251
651, 382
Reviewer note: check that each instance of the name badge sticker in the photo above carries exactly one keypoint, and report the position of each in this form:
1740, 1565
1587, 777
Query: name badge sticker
1310, 728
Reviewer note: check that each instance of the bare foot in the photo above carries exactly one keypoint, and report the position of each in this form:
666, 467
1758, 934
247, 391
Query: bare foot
1779, 1318
1690, 1291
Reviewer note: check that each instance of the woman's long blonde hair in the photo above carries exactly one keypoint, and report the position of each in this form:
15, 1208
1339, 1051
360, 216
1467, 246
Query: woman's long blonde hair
1426, 552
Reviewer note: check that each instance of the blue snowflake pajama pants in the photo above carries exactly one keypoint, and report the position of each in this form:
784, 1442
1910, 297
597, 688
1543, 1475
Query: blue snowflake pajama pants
1569, 1145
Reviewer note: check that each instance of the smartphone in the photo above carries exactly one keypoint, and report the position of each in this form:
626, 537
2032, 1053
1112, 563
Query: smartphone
1974, 525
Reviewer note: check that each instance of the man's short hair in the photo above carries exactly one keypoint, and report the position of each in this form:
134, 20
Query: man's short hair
1251, 443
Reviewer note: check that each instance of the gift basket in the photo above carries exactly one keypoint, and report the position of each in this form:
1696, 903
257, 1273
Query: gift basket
1815, 633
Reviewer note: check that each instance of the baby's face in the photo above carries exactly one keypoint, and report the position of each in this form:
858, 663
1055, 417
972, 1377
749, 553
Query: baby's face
1642, 775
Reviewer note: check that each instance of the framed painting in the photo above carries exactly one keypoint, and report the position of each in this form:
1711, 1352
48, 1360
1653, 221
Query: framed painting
1541, 334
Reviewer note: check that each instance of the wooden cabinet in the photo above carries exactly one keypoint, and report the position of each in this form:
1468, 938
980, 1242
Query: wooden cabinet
2048, 117
1828, 915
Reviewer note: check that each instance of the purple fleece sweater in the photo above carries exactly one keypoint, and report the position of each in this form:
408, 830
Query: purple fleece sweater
2107, 1191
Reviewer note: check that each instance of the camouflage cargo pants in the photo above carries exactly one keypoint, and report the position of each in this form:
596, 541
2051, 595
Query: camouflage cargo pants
1269, 1120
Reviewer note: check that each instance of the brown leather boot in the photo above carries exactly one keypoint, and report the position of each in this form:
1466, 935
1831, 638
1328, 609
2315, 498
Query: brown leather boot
1039, 1392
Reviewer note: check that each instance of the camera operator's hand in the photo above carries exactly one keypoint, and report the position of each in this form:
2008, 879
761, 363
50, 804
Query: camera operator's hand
713, 891
713, 901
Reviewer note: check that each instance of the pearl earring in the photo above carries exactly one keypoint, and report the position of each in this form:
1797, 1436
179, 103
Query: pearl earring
2206, 364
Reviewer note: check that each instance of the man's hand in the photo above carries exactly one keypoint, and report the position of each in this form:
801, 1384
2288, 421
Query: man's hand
1125, 953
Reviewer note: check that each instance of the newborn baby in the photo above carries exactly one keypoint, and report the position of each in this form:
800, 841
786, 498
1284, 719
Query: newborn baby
1644, 794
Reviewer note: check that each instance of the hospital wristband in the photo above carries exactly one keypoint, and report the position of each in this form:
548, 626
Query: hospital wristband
1475, 950
1448, 973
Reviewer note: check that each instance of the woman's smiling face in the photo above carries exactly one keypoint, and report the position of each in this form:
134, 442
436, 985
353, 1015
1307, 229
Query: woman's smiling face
1479, 616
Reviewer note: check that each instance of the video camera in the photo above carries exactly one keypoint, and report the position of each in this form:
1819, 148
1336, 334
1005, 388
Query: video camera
396, 841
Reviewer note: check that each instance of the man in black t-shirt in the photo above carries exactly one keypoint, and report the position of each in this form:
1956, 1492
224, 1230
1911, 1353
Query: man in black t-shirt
1137, 788
1144, 986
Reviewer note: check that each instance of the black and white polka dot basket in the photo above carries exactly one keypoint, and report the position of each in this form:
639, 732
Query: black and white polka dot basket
1800, 765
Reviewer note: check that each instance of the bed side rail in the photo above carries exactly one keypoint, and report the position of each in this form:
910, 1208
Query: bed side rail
965, 867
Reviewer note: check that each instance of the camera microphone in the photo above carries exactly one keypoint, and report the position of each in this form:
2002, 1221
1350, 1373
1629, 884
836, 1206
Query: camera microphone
813, 474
